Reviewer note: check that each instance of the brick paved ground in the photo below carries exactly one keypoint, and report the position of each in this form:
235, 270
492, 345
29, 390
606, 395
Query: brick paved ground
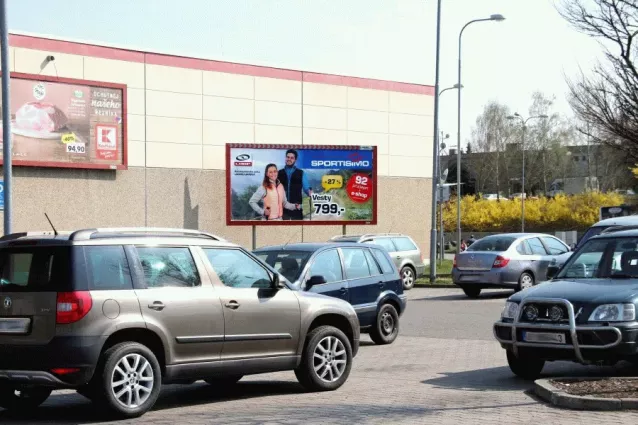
435, 373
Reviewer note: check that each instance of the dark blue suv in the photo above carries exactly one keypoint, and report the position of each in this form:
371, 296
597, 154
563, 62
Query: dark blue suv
360, 274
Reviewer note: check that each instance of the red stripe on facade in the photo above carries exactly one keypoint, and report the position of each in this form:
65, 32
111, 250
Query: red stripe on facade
85, 49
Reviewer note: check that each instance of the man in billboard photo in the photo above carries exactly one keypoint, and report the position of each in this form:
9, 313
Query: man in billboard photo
271, 194
295, 183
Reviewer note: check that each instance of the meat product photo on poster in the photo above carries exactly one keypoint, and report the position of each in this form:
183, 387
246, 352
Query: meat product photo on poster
57, 122
300, 184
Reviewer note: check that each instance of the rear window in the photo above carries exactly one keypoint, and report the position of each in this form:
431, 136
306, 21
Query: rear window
492, 243
404, 244
36, 269
108, 268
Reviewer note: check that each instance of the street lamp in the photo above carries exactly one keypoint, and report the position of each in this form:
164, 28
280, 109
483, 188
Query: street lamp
497, 18
524, 121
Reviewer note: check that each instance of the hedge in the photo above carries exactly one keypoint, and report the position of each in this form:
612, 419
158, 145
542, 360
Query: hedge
575, 212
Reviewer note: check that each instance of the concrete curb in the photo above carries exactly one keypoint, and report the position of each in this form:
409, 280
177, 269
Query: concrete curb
557, 397
427, 285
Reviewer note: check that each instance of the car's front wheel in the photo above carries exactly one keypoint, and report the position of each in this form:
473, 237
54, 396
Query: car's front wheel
525, 367
130, 380
386, 327
408, 277
326, 360
22, 399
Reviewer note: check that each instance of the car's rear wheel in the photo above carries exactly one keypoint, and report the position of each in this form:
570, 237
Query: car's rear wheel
326, 360
22, 399
130, 380
408, 277
224, 381
525, 281
525, 367
471, 291
386, 328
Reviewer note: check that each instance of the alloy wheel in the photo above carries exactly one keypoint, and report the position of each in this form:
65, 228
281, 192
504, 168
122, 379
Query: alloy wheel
330, 359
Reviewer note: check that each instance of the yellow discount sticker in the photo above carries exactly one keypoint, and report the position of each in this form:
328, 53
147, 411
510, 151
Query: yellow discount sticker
68, 138
331, 182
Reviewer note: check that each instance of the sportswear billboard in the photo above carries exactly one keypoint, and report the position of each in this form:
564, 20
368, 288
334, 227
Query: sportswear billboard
300, 184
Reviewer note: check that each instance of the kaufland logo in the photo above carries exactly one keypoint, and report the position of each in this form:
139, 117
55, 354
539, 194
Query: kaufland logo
243, 160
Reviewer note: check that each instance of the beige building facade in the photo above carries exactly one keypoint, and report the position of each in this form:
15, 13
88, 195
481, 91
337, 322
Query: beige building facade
180, 114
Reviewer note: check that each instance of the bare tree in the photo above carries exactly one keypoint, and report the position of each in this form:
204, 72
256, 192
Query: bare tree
608, 98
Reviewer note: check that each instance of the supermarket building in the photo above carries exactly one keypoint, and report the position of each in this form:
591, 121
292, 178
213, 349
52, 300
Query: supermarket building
180, 112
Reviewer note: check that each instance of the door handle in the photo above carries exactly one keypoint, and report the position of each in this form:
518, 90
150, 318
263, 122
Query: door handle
233, 305
343, 290
381, 284
157, 305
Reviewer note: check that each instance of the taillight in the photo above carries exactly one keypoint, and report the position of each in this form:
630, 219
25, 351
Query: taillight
500, 262
454, 262
72, 306
64, 371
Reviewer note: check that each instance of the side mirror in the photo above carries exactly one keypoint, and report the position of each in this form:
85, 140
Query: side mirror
315, 280
572, 246
276, 283
552, 271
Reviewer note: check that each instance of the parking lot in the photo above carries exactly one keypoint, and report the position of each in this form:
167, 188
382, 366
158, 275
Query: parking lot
445, 367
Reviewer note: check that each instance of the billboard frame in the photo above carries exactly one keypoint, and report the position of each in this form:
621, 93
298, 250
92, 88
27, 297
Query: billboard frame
231, 222
79, 165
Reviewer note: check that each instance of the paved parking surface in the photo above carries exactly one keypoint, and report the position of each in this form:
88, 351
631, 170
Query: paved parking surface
444, 368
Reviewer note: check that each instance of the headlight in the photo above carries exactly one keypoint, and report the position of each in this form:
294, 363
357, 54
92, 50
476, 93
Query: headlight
613, 313
510, 310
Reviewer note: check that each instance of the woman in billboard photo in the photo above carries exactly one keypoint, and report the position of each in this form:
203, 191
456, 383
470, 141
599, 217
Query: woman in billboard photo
273, 197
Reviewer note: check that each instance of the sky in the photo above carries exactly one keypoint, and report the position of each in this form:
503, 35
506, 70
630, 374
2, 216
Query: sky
533, 49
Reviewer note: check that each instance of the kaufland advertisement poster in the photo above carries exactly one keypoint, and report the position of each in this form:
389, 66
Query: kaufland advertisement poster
300, 184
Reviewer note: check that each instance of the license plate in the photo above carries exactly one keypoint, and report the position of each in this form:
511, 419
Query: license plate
545, 337
14, 325
470, 278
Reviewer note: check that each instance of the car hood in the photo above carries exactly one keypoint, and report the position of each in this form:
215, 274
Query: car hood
583, 291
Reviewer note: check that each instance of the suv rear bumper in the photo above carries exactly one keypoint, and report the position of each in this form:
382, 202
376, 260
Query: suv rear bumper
34, 364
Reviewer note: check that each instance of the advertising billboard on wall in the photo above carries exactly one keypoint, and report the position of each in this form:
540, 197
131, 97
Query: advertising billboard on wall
67, 123
300, 184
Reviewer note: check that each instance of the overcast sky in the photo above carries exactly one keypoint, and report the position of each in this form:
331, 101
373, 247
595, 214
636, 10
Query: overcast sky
533, 49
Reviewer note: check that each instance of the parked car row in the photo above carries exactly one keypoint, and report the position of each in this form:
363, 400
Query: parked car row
117, 313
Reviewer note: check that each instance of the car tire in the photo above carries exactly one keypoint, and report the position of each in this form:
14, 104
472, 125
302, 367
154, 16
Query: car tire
26, 400
408, 277
386, 327
309, 374
128, 366
526, 280
223, 381
525, 367
472, 292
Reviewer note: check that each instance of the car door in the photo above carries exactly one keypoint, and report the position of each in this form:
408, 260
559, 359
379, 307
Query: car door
260, 320
558, 251
327, 263
540, 258
365, 282
179, 301
389, 246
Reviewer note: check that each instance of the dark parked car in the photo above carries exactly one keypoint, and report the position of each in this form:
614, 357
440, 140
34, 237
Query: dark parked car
585, 314
510, 260
360, 274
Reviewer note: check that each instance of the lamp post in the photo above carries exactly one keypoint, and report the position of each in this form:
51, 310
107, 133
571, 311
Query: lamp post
440, 177
498, 18
524, 121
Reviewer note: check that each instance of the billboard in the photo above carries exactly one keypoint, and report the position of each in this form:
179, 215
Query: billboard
67, 123
300, 184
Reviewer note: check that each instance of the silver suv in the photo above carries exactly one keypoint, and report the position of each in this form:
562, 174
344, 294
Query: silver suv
117, 313
404, 252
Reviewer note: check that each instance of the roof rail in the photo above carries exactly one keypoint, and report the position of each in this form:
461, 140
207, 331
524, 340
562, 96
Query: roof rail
18, 235
613, 229
366, 235
86, 234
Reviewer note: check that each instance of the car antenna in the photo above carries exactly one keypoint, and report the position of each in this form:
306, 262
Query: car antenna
288, 241
55, 232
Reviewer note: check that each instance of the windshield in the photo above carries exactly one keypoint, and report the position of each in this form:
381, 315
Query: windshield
492, 243
603, 258
592, 231
290, 264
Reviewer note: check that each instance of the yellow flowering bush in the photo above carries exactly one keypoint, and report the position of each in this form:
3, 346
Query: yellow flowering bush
575, 212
